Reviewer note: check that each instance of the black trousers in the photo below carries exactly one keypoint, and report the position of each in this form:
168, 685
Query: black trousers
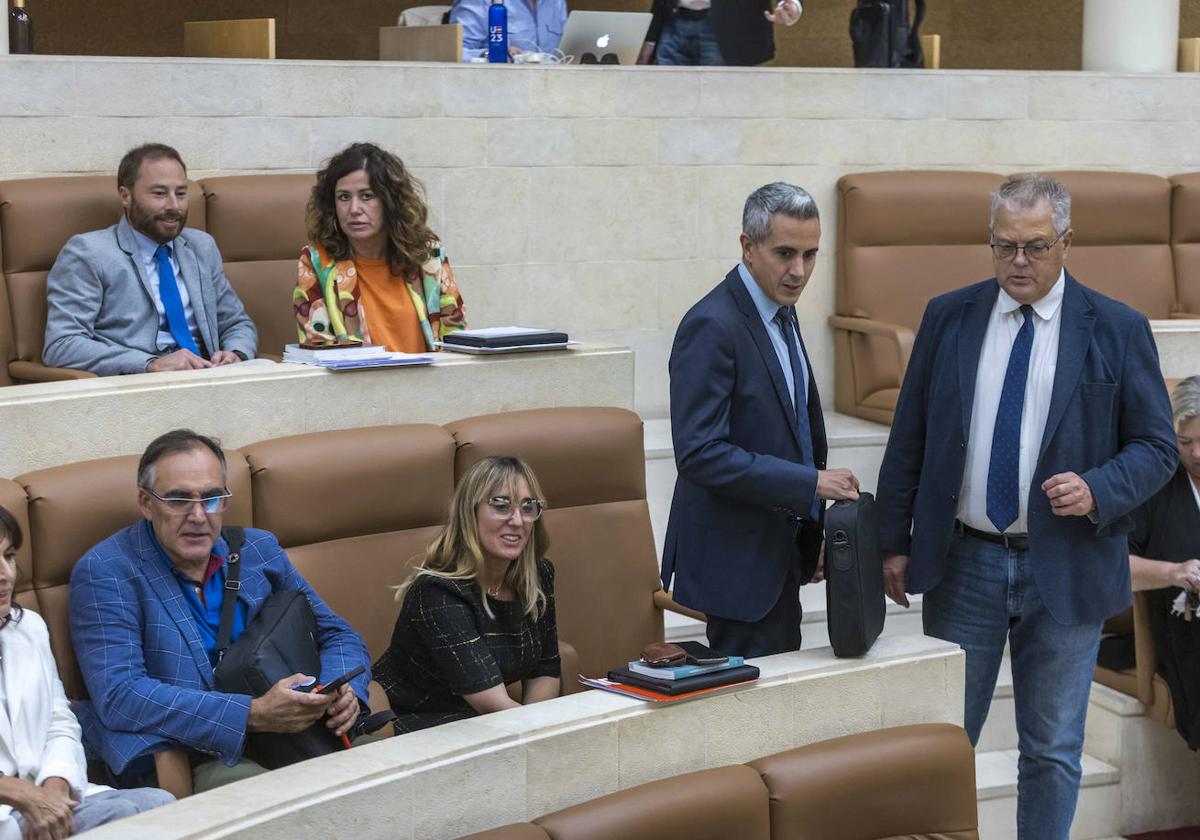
776, 632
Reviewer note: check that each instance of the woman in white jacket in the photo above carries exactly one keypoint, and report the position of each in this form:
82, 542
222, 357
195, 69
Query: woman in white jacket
44, 792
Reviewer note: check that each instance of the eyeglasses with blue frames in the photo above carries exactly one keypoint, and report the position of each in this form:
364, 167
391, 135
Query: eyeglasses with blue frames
183, 504
502, 508
1035, 250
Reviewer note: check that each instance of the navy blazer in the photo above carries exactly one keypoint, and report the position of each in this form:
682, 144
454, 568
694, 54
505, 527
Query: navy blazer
742, 490
150, 680
1109, 422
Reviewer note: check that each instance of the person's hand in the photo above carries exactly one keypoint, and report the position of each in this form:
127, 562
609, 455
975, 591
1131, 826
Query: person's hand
819, 574
646, 53
283, 710
343, 711
1069, 495
786, 12
1186, 575
514, 51
836, 484
225, 357
895, 577
46, 810
179, 360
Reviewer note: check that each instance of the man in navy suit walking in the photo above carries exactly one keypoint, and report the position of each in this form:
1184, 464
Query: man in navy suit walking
745, 526
1033, 418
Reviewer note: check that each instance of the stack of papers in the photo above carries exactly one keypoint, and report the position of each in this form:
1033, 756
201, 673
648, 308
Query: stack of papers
353, 358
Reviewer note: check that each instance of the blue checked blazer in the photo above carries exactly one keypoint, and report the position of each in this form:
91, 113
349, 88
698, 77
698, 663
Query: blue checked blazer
148, 675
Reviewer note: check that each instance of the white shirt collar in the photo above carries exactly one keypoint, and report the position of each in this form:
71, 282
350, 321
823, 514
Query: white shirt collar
147, 246
1044, 308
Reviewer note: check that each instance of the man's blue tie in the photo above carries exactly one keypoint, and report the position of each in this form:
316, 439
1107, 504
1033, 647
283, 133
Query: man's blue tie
1003, 485
172, 302
786, 319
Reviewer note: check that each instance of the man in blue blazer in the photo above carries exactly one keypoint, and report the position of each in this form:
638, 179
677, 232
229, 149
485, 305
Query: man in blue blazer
1033, 418
745, 525
148, 293
145, 609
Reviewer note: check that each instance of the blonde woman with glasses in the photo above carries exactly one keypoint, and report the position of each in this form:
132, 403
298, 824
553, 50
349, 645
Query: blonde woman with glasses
478, 610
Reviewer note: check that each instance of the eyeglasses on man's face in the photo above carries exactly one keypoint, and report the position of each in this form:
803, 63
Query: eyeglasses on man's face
214, 503
1035, 250
502, 508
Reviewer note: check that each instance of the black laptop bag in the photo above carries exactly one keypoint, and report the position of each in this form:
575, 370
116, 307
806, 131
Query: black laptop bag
854, 605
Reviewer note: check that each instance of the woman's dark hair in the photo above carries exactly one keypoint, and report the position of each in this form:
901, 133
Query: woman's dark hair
405, 216
10, 529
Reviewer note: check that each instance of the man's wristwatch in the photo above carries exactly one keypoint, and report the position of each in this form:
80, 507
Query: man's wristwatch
239, 354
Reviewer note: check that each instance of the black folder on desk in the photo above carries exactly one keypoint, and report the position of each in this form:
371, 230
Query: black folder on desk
467, 338
727, 676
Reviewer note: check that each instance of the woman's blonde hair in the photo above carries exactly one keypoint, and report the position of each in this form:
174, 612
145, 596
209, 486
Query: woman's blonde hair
455, 554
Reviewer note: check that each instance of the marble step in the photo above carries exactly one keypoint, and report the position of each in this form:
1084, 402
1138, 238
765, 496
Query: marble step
1097, 816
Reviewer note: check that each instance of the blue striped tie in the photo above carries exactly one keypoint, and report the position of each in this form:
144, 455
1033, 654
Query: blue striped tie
786, 319
1003, 502
172, 302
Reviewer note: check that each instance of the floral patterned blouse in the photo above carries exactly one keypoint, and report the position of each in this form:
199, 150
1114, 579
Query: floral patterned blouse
328, 304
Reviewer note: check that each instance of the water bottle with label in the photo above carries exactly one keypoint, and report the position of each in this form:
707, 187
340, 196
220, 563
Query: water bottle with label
497, 33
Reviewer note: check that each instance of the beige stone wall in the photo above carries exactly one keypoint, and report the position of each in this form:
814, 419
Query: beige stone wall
602, 201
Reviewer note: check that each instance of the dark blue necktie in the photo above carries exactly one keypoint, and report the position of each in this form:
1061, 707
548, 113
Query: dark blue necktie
1003, 485
172, 303
786, 318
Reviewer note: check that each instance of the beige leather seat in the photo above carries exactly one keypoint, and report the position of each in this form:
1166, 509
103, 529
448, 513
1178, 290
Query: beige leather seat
258, 224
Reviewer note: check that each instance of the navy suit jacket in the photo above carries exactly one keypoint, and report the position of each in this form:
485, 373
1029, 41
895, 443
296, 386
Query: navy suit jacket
742, 490
1109, 422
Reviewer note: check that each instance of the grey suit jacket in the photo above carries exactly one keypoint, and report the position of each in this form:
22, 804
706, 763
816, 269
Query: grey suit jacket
101, 315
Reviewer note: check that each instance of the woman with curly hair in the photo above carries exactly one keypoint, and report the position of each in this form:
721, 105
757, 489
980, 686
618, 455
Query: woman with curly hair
373, 270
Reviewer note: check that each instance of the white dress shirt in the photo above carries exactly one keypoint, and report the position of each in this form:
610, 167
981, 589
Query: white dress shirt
1003, 326
146, 249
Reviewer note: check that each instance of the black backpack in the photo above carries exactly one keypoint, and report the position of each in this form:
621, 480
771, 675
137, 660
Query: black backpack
882, 37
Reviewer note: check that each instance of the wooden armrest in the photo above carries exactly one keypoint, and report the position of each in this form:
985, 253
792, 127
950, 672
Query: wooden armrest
37, 372
903, 337
664, 601
174, 772
270, 357
1143, 646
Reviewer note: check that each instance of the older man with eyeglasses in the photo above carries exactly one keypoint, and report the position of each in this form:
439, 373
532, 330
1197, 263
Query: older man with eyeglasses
145, 612
1033, 420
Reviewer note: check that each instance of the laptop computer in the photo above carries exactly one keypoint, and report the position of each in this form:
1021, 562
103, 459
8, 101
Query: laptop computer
605, 37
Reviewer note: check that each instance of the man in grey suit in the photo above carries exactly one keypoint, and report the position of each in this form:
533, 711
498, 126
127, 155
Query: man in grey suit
148, 293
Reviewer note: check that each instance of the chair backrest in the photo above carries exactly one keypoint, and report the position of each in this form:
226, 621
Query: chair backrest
909, 781
257, 222
916, 782
905, 237
354, 509
1185, 240
715, 804
1121, 248
591, 465
73, 507
37, 217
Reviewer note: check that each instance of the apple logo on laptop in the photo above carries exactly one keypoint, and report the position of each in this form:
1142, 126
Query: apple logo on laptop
602, 42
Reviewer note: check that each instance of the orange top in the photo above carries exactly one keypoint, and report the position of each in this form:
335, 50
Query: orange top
388, 308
